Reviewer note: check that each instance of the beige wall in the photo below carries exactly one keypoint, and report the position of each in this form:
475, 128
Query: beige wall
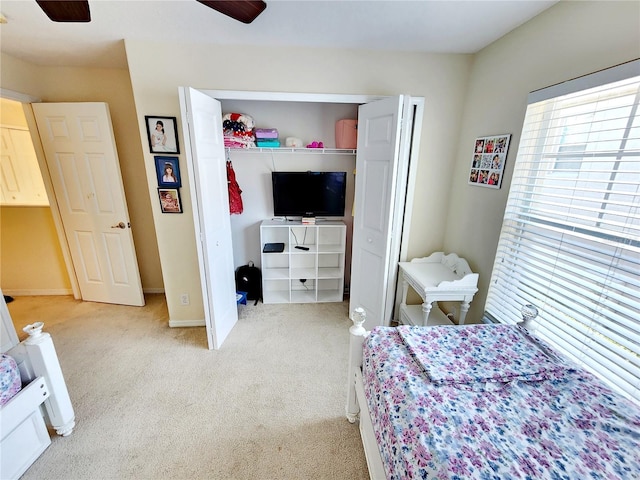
20, 76
441, 79
32, 261
51, 84
569, 40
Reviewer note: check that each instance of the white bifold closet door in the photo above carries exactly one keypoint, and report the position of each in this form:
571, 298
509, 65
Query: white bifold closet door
383, 128
208, 177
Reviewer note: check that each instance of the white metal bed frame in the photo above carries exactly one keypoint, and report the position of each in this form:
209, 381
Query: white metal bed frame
357, 408
43, 400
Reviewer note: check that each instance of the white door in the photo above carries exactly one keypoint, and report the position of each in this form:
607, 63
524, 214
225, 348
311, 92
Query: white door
81, 155
379, 141
202, 123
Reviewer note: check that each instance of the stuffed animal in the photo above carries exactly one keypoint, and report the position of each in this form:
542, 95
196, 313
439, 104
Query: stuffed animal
293, 142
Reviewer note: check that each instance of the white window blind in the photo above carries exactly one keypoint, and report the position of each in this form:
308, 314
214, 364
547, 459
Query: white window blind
570, 239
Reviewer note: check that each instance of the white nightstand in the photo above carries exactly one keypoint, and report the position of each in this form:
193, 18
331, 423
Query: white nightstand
438, 277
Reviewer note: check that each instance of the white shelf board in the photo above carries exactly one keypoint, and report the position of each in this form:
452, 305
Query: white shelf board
275, 296
303, 273
305, 151
303, 296
330, 248
294, 250
275, 273
330, 272
412, 315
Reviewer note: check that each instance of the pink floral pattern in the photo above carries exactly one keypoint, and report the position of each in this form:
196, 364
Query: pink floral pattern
567, 426
10, 383
481, 353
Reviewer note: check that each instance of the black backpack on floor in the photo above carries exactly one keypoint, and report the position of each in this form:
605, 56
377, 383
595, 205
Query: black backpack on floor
249, 279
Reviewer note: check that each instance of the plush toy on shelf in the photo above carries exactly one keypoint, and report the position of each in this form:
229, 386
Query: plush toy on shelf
238, 130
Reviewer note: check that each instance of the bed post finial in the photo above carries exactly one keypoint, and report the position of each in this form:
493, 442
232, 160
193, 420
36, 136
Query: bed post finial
529, 314
356, 337
34, 330
45, 363
358, 318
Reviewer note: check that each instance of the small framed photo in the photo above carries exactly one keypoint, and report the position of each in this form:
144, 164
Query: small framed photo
170, 200
168, 171
162, 133
488, 159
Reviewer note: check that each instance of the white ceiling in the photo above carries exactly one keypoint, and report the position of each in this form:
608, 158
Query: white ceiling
444, 26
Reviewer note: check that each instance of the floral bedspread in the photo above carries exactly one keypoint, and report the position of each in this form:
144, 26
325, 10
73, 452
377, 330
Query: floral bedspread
477, 354
10, 383
567, 426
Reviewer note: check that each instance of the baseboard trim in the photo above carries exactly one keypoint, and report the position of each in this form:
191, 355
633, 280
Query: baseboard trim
34, 292
30, 292
186, 323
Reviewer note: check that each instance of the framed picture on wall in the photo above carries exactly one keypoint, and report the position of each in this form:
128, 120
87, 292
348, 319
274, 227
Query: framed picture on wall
488, 159
170, 200
168, 171
162, 134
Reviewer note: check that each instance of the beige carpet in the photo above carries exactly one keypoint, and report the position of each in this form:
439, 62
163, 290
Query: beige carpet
152, 402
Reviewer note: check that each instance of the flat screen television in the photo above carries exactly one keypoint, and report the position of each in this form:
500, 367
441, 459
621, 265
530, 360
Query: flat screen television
309, 194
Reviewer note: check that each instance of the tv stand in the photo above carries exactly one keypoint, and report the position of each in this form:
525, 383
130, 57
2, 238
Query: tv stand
311, 267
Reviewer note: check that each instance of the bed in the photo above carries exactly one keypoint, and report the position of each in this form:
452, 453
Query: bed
484, 401
33, 396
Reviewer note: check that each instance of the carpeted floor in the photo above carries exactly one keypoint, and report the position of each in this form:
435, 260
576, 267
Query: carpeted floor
152, 402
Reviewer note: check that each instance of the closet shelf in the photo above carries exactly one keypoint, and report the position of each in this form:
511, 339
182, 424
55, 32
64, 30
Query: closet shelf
308, 151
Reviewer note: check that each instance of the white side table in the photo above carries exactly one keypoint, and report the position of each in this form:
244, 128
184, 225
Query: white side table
438, 277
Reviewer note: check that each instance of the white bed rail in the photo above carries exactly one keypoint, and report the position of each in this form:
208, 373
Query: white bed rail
357, 335
357, 408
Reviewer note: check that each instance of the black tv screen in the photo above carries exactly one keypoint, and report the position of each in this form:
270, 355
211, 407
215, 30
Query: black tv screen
309, 194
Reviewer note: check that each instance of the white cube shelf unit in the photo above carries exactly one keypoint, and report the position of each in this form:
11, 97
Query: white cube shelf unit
312, 274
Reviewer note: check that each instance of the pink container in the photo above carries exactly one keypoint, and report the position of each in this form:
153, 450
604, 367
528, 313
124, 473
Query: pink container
266, 133
347, 134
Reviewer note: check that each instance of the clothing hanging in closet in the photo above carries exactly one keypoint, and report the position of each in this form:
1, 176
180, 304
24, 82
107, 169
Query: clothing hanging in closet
235, 197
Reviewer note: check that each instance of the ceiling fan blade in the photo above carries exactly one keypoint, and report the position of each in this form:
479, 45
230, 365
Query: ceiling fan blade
66, 11
244, 11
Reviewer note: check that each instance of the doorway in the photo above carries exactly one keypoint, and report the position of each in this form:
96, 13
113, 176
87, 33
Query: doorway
404, 145
29, 237
79, 163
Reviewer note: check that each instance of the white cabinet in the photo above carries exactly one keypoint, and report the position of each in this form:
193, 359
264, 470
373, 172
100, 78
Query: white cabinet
310, 268
21, 180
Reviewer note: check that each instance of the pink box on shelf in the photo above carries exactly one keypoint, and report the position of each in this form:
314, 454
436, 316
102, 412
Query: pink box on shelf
347, 134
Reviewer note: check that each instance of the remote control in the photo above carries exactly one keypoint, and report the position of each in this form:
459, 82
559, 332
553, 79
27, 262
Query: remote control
300, 247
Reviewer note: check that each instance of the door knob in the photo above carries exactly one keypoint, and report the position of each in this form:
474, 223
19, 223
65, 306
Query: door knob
120, 225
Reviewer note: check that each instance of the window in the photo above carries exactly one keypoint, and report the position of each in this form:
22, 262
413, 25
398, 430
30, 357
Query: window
570, 239
569, 157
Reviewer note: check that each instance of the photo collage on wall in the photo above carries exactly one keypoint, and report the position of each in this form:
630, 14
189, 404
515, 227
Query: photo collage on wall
487, 163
